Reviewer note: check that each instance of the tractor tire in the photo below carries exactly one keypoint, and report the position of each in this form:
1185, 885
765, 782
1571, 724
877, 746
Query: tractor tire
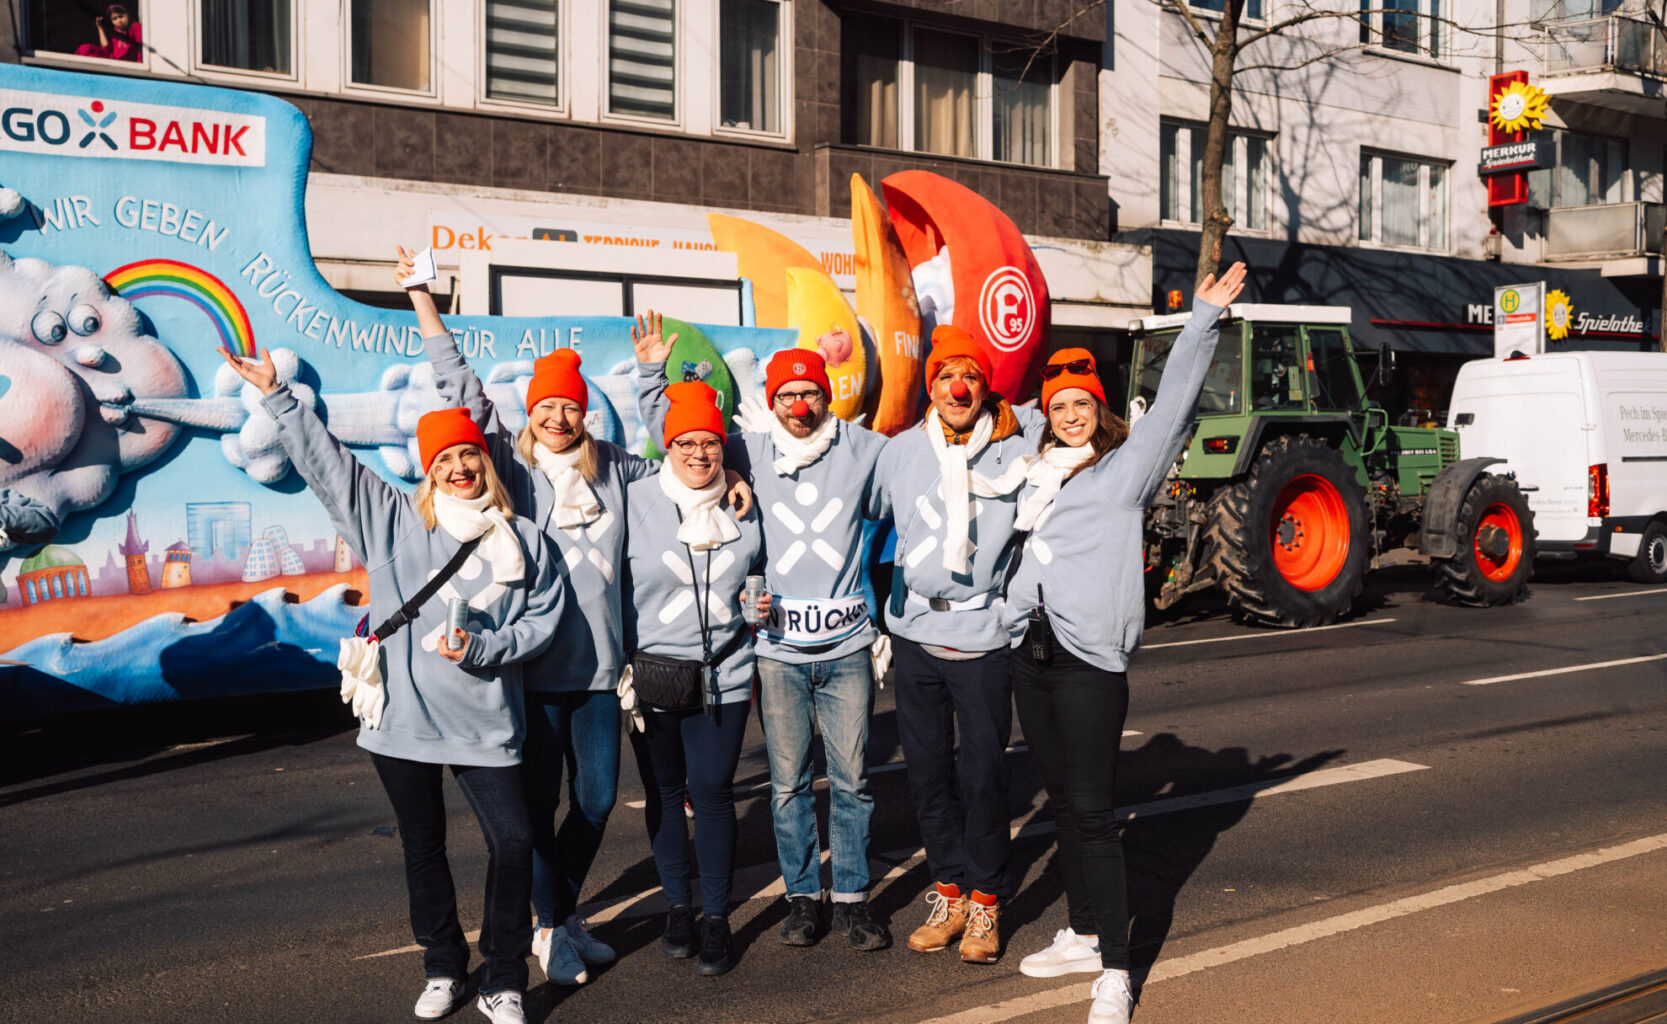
1650, 564
1495, 534
1289, 542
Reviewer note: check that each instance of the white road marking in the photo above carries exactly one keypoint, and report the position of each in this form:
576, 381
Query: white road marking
1167, 970
1562, 671
1625, 593
1265, 633
764, 880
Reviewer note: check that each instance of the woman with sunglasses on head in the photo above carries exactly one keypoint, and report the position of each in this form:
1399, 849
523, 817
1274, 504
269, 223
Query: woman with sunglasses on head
572, 486
691, 665
441, 705
1075, 610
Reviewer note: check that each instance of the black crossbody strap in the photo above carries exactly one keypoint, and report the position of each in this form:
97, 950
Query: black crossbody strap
409, 609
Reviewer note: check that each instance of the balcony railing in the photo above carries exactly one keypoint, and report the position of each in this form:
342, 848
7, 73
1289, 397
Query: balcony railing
1615, 42
1613, 229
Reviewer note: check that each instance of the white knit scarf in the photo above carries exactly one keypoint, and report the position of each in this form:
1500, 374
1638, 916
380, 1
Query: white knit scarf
705, 523
468, 518
575, 502
957, 484
795, 453
1047, 475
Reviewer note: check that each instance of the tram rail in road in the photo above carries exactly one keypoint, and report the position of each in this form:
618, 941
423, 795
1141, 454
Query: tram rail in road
1640, 1000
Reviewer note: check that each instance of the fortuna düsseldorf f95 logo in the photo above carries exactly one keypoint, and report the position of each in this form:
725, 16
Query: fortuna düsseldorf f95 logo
1006, 308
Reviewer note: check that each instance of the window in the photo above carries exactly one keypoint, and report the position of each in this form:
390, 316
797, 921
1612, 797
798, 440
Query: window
749, 65
390, 44
85, 30
1590, 170
917, 88
1403, 201
248, 35
1252, 8
1221, 395
642, 58
1244, 176
1409, 26
521, 55
1335, 384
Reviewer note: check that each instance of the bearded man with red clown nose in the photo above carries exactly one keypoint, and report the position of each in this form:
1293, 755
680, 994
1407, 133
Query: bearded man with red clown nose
811, 476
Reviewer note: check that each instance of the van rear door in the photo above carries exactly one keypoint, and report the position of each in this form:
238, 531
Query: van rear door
1531, 414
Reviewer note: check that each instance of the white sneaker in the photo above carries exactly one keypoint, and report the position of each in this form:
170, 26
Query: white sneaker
1113, 1002
438, 998
503, 1007
592, 951
1069, 954
541, 945
561, 961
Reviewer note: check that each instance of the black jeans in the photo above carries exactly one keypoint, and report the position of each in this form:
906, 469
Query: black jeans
960, 795
687, 749
500, 805
1072, 715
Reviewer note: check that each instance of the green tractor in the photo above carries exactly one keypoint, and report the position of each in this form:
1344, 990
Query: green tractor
1293, 483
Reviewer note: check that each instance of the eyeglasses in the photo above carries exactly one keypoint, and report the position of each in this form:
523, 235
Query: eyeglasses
1076, 367
810, 397
688, 448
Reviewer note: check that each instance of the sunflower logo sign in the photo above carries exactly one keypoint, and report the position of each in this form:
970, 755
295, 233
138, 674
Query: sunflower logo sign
1559, 315
1518, 107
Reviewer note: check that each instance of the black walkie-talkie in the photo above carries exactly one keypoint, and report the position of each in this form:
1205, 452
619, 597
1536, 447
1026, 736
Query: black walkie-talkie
1039, 635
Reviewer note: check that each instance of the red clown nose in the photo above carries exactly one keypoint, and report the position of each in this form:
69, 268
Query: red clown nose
800, 409
959, 390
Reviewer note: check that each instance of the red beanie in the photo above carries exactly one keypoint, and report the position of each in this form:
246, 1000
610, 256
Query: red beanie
557, 376
1089, 382
439, 430
949, 341
791, 364
694, 406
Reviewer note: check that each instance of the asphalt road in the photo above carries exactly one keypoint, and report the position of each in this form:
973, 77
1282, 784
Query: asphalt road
238, 862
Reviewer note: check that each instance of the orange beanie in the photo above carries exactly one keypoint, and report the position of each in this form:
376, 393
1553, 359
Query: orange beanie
1089, 382
557, 376
791, 364
439, 430
694, 406
949, 341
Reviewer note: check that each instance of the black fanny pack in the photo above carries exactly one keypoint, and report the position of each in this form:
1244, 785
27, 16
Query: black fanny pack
679, 684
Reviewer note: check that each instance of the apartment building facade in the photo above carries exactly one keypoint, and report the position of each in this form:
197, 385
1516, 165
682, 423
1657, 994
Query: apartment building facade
623, 122
1353, 178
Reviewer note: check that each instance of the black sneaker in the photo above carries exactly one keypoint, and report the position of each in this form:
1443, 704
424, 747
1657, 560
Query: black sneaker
803, 923
859, 926
714, 946
679, 940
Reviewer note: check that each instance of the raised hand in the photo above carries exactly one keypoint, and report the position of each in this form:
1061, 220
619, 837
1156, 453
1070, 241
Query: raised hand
1223, 292
259, 372
648, 341
407, 267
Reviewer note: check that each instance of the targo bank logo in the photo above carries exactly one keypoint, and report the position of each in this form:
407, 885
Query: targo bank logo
59, 125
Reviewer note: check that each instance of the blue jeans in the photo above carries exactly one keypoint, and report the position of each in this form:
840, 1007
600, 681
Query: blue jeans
494, 794
685, 751
836, 697
578, 731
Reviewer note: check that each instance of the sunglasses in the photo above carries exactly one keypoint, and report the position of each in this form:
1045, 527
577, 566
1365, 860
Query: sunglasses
1076, 367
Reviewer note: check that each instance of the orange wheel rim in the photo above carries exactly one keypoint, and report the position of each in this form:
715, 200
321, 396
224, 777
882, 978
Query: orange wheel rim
1498, 542
1310, 531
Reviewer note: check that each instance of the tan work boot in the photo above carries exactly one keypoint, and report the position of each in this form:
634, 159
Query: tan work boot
982, 942
947, 920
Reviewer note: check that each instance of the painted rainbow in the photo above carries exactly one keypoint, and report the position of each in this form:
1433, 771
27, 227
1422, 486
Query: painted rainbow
195, 285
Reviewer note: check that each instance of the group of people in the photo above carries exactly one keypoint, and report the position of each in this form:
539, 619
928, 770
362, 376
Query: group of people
590, 592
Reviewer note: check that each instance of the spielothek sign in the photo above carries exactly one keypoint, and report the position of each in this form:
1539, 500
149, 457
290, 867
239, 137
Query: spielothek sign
57, 124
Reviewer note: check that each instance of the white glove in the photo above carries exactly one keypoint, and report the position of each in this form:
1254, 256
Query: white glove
880, 653
628, 700
360, 662
753, 414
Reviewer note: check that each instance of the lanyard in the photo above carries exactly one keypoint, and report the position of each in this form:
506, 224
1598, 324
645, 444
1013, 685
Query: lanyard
702, 601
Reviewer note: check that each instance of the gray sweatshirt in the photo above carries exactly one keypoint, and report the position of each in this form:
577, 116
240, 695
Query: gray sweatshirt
812, 522
437, 712
1086, 553
906, 488
588, 650
662, 617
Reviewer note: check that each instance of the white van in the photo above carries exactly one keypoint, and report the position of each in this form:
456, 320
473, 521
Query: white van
1586, 435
